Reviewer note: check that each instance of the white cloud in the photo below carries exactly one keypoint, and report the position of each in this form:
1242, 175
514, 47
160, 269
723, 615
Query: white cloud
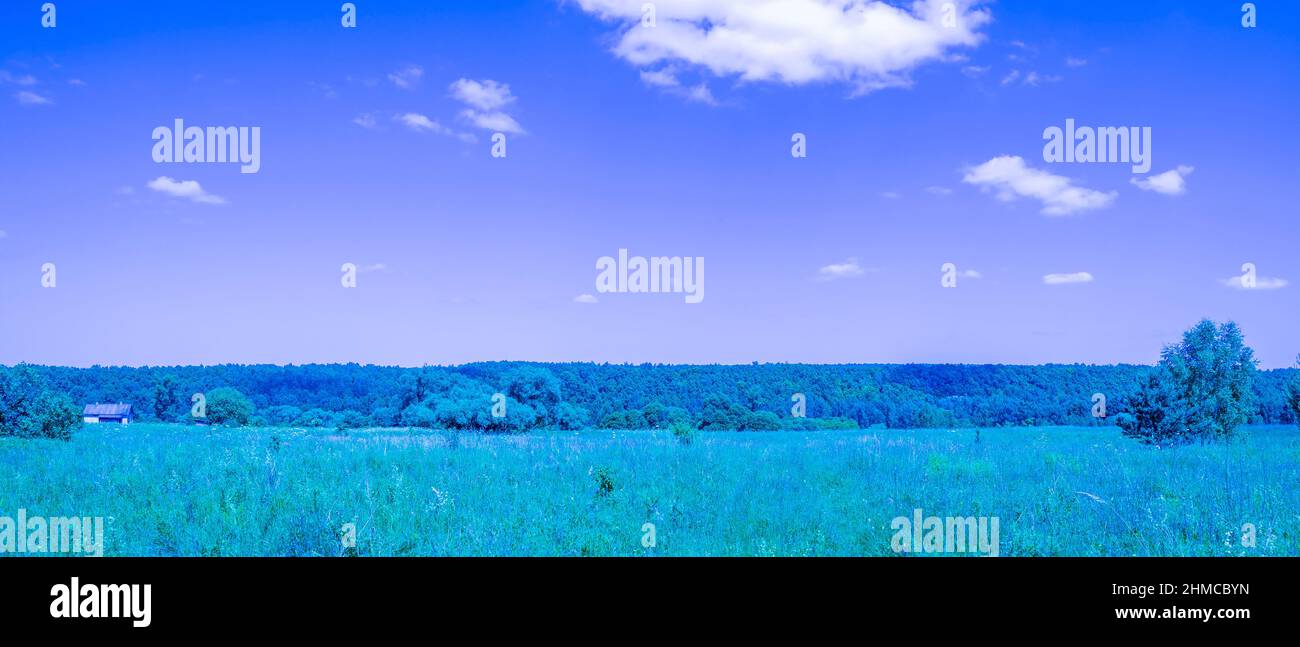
486, 95
376, 267
1010, 177
938, 190
4, 234
366, 121
1169, 183
1261, 283
407, 77
188, 189
76, 82
891, 195
420, 123
31, 98
845, 270
26, 79
971, 274
585, 298
1066, 279
486, 101
866, 44
975, 71
666, 79
1075, 62
1011, 78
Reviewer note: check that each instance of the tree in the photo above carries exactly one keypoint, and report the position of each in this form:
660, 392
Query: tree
1200, 390
164, 396
1293, 393
29, 409
227, 406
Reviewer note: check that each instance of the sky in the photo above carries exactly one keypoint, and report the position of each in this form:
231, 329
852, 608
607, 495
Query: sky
923, 127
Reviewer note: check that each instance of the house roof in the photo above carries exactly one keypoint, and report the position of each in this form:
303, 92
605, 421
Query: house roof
107, 410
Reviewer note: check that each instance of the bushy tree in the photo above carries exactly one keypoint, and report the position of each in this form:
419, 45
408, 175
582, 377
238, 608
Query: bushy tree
1200, 390
227, 406
29, 409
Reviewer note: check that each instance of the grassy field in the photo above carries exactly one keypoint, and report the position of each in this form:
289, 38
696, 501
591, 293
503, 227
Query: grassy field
171, 490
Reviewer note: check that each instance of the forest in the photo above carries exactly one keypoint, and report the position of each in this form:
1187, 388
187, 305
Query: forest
579, 395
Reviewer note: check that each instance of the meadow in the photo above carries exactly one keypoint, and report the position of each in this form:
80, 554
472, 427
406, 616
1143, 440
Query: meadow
182, 490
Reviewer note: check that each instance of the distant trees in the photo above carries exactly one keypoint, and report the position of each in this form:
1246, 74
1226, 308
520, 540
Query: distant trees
1200, 390
29, 409
1293, 393
227, 406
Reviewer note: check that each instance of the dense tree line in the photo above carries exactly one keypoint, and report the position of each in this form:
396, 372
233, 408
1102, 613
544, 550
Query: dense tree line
570, 396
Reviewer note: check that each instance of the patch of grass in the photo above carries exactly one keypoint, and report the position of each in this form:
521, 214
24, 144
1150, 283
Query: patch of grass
171, 490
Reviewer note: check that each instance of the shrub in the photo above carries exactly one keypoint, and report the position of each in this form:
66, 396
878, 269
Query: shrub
227, 406
28, 409
684, 432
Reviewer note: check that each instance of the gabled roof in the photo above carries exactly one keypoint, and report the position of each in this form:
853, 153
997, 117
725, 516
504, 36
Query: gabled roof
107, 410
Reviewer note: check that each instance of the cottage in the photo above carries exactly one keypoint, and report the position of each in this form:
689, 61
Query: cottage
115, 413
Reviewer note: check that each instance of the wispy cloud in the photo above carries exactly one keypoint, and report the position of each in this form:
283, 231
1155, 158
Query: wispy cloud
1075, 62
1170, 182
845, 270
366, 121
1067, 279
1261, 283
187, 189
666, 80
938, 190
26, 79
29, 98
585, 298
486, 101
1010, 178
408, 77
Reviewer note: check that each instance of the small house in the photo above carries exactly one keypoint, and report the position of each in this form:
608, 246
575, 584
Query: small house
115, 413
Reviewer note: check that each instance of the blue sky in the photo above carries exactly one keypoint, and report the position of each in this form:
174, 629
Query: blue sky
375, 150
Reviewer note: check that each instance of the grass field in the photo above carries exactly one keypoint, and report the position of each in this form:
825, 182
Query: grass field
172, 490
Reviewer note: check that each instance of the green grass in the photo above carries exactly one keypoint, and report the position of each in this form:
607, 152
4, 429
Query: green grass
171, 490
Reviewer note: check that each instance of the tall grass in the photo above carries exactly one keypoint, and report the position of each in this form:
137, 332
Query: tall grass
170, 490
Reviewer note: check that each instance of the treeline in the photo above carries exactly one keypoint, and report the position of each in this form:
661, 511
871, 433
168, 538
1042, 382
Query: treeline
571, 396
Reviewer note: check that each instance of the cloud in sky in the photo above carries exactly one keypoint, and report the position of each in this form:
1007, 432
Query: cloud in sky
846, 270
1170, 182
1067, 279
486, 101
26, 79
366, 121
1075, 62
187, 189
866, 44
407, 77
971, 274
1010, 178
1261, 283
938, 190
29, 98
666, 79
585, 298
